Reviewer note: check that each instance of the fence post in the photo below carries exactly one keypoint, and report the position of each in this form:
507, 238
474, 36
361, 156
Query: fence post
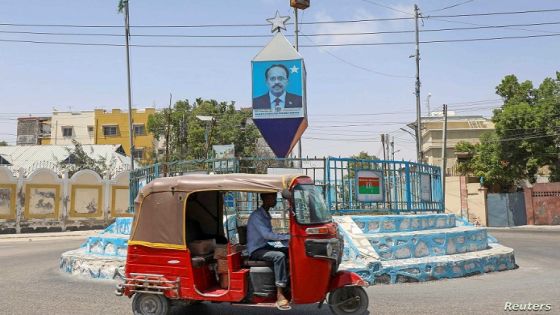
529, 210
408, 192
65, 198
327, 177
20, 199
107, 195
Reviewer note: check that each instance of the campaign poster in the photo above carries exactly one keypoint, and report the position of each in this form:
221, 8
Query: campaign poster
369, 186
278, 89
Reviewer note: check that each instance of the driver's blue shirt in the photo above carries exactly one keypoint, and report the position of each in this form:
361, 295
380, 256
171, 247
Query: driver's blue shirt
259, 231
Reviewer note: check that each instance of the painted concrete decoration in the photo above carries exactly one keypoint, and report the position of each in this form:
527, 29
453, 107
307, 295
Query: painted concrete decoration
120, 200
279, 92
46, 202
7, 201
42, 201
86, 200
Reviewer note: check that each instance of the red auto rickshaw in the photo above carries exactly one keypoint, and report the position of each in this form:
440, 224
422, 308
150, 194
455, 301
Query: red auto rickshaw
186, 246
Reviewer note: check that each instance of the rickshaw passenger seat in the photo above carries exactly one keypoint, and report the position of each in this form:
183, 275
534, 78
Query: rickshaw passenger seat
256, 263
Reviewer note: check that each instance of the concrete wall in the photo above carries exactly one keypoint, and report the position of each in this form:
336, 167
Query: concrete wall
43, 201
542, 204
475, 200
78, 121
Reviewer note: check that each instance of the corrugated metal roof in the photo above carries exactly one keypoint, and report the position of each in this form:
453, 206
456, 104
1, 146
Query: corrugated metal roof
32, 157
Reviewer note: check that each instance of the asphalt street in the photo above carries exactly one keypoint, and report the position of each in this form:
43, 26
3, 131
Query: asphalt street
31, 283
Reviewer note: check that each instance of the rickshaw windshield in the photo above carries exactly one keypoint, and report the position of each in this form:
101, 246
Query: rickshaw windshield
310, 206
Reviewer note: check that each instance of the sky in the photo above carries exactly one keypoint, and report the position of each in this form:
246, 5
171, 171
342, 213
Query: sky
359, 88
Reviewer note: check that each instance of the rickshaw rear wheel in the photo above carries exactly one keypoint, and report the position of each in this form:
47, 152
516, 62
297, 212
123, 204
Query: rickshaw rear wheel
348, 301
150, 304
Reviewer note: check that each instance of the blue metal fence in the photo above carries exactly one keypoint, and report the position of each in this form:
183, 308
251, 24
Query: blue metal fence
406, 186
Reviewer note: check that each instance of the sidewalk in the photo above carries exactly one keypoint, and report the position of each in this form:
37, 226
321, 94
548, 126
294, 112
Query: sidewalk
528, 228
48, 236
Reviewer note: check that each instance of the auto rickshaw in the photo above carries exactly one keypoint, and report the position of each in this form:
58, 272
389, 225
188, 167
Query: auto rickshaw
186, 246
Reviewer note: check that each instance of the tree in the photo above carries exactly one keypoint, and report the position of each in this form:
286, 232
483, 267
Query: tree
496, 173
78, 159
526, 140
3, 143
465, 165
527, 126
183, 134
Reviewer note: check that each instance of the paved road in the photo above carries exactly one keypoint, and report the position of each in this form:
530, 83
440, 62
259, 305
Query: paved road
30, 283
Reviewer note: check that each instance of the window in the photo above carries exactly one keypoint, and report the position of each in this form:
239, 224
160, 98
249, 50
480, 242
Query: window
90, 130
310, 206
139, 130
67, 132
138, 154
110, 131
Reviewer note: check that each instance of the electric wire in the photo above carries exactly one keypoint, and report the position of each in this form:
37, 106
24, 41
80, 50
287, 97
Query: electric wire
301, 46
263, 24
452, 6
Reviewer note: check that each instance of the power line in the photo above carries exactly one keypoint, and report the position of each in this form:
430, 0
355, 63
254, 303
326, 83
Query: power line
387, 7
452, 6
288, 35
260, 46
199, 25
267, 25
355, 65
493, 13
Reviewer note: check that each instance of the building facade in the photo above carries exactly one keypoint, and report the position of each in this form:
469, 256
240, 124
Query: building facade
68, 126
33, 130
112, 128
459, 128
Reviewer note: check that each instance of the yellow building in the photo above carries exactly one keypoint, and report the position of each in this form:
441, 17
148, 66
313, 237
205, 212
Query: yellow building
112, 128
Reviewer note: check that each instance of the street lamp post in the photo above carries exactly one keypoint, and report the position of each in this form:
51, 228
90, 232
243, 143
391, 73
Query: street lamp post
127, 36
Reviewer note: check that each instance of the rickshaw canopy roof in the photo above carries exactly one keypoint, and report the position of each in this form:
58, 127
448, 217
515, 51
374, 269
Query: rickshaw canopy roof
225, 182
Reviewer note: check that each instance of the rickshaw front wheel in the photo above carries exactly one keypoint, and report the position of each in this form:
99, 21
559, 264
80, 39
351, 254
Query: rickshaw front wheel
150, 304
351, 300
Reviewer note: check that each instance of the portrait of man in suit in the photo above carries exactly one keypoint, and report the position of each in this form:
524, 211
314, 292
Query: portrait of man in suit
277, 79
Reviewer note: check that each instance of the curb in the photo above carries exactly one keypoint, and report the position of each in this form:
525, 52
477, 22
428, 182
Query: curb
48, 236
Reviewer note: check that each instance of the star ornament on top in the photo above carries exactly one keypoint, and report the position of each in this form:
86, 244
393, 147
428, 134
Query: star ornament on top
278, 22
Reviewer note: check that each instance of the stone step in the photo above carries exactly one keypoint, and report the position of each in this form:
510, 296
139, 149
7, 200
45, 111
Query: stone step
495, 258
106, 244
438, 242
79, 262
403, 223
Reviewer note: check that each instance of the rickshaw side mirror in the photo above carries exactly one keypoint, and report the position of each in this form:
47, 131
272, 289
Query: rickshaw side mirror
286, 194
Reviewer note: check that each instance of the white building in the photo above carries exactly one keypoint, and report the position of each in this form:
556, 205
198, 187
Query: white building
68, 126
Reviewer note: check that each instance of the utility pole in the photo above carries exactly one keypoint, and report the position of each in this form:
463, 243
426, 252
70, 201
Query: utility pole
444, 154
418, 110
388, 145
183, 135
383, 144
167, 133
297, 49
393, 148
127, 36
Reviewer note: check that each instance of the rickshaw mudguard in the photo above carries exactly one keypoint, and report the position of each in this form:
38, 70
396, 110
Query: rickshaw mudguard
346, 278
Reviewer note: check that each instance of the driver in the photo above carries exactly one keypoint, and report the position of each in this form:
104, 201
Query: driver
259, 234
